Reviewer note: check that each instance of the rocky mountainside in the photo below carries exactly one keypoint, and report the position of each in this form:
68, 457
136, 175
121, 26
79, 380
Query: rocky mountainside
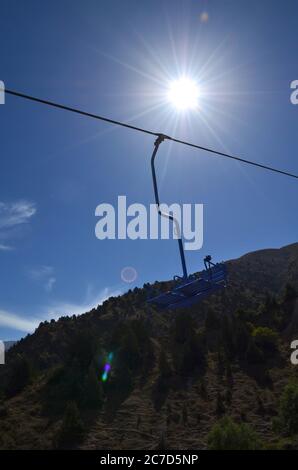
177, 379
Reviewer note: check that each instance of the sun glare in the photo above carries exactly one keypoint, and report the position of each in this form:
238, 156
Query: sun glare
183, 94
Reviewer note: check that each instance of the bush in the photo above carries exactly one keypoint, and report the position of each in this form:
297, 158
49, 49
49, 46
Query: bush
227, 435
265, 339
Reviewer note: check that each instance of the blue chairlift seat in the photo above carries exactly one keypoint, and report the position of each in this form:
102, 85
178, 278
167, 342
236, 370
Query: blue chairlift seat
193, 289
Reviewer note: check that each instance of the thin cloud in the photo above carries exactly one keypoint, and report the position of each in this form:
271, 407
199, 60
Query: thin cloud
5, 247
18, 322
50, 284
29, 324
15, 213
45, 275
41, 272
67, 308
13, 216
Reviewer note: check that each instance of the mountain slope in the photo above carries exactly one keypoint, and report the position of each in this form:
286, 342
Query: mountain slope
8, 344
173, 374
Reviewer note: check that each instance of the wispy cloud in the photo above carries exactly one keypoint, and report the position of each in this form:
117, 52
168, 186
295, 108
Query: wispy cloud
27, 324
58, 309
12, 216
50, 284
43, 274
18, 322
5, 247
15, 213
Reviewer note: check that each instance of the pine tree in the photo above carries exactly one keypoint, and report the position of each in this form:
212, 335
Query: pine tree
164, 366
93, 392
220, 407
162, 445
184, 414
229, 375
203, 389
290, 293
71, 430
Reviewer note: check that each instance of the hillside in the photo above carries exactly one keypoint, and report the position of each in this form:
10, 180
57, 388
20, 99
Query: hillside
8, 344
174, 375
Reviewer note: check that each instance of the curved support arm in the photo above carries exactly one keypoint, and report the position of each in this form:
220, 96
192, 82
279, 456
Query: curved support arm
157, 143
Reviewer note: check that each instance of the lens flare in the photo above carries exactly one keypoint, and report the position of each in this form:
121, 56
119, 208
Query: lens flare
107, 367
129, 274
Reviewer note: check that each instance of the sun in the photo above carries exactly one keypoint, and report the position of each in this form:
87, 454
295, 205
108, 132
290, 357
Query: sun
183, 94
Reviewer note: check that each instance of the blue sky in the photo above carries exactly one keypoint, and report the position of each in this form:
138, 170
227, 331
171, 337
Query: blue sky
116, 58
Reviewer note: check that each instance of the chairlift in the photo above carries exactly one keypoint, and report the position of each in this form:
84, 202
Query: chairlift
188, 289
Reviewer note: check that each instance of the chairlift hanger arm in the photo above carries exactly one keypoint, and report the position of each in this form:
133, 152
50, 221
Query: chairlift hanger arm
159, 140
